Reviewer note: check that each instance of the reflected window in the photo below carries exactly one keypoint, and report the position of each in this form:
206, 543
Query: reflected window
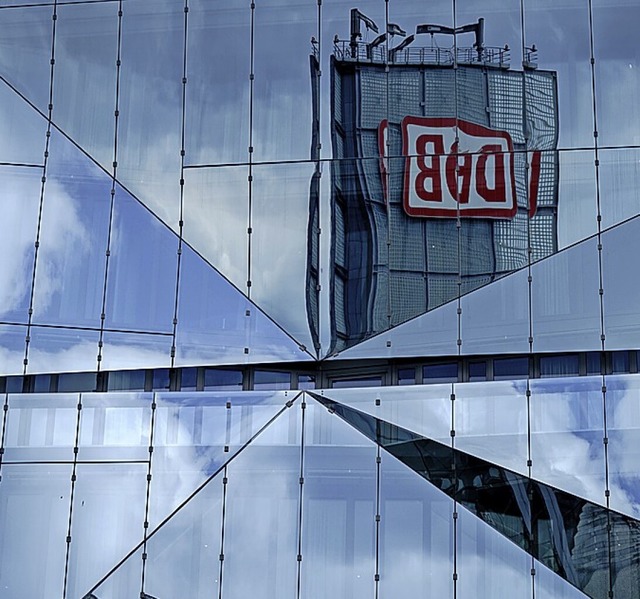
620, 361
265, 379
306, 381
477, 371
367, 381
510, 368
42, 383
594, 363
406, 376
161, 379
189, 379
79, 381
440, 373
564, 365
222, 379
14, 384
128, 380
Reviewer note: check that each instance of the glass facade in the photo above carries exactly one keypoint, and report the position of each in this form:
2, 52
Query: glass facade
304, 299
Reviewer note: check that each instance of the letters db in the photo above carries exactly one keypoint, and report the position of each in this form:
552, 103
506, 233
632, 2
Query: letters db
473, 177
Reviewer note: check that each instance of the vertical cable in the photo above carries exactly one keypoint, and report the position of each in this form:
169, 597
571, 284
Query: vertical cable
147, 501
454, 472
114, 173
303, 408
225, 480
250, 174
376, 576
73, 488
5, 412
52, 62
605, 438
182, 156
387, 176
531, 540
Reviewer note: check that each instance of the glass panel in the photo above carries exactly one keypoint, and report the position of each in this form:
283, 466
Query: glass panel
416, 540
491, 422
124, 581
621, 323
73, 239
477, 371
41, 427
188, 379
115, 426
261, 520
22, 129
195, 434
26, 52
440, 373
263, 379
85, 76
577, 210
425, 409
76, 382
20, 204
217, 109
406, 376
619, 185
151, 104
216, 207
34, 515
108, 512
510, 368
338, 528
62, 350
133, 380
131, 350
560, 32
282, 99
623, 431
142, 269
548, 585
567, 429
487, 562
278, 270
565, 365
359, 382
217, 324
617, 64
12, 341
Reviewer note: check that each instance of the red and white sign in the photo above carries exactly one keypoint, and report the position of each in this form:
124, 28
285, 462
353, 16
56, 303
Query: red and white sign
472, 177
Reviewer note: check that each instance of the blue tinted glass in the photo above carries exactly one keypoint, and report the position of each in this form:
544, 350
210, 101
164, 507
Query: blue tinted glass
127, 380
135, 350
263, 379
506, 368
477, 371
222, 379
440, 373
188, 379
81, 381
161, 379
62, 350
559, 365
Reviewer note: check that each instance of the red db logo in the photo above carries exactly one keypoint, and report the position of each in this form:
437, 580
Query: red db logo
473, 176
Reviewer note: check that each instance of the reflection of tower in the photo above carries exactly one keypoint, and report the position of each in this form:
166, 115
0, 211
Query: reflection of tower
393, 256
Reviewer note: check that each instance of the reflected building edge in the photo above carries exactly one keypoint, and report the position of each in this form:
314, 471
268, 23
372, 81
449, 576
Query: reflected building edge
423, 336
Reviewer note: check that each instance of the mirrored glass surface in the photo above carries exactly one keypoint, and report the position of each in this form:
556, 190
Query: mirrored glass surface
34, 515
130, 350
84, 88
279, 243
617, 63
423, 409
548, 585
491, 422
261, 519
183, 557
26, 52
619, 185
41, 427
195, 434
567, 429
151, 104
565, 305
123, 579
20, 198
22, 129
218, 324
108, 513
556, 38
73, 238
623, 432
416, 535
62, 350
141, 282
621, 325
115, 426
216, 216
338, 528
488, 562
282, 104
218, 89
